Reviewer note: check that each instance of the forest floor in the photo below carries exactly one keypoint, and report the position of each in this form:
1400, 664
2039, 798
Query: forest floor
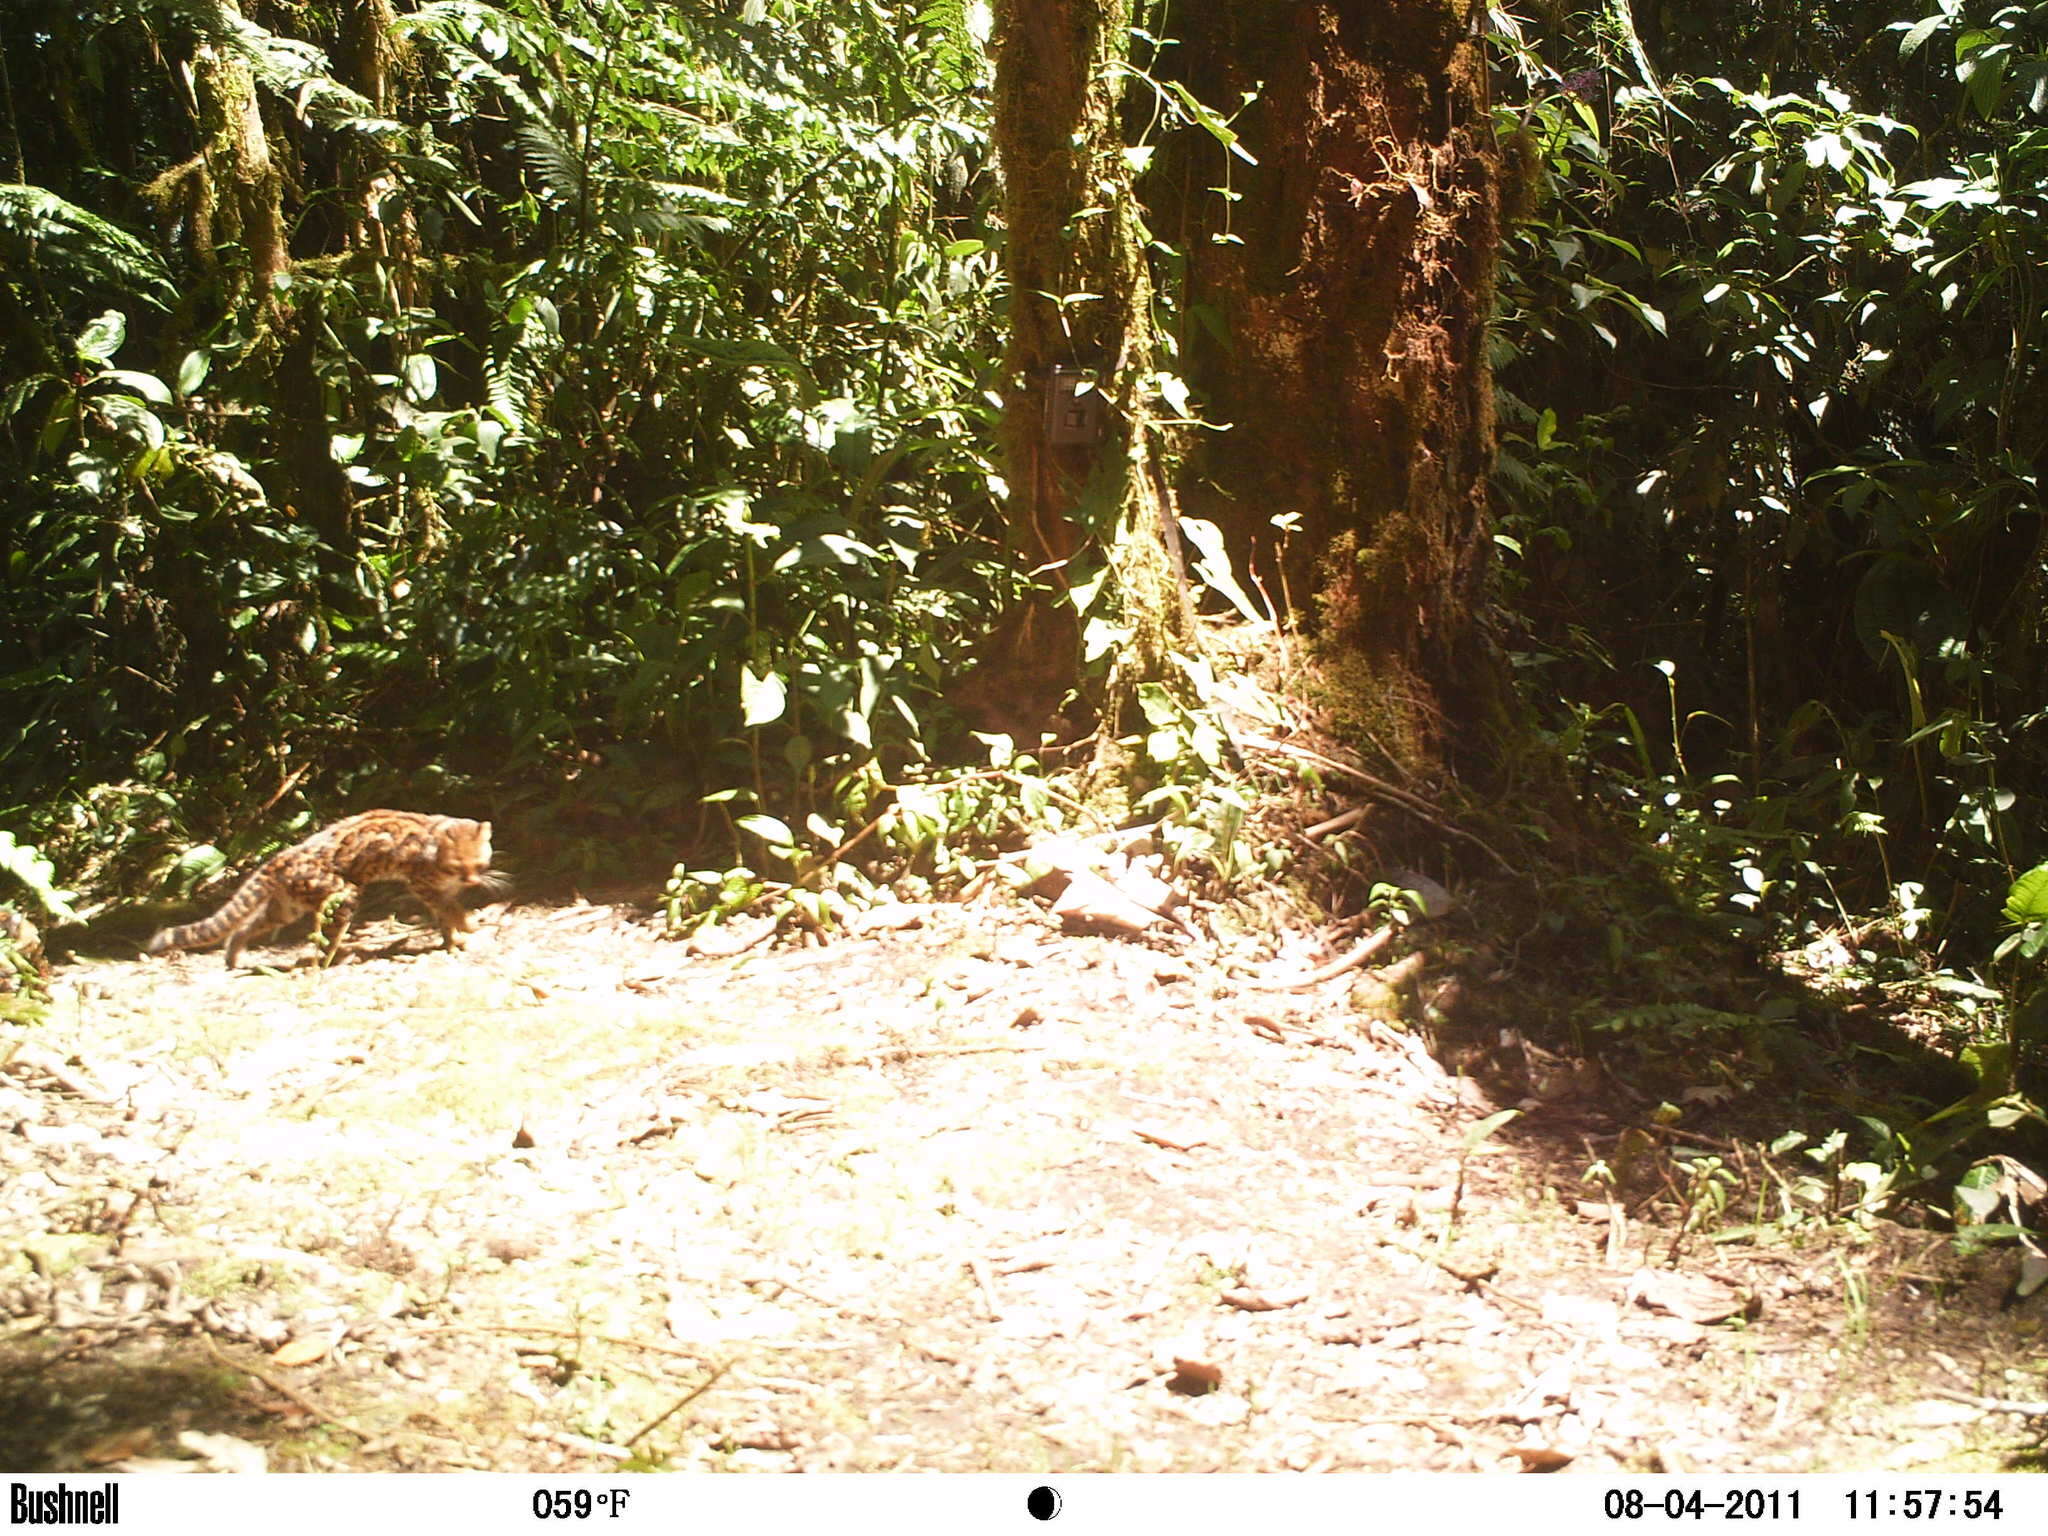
965, 1193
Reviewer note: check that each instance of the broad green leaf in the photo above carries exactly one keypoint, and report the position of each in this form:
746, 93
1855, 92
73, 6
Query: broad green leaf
19, 391
1909, 667
26, 863
767, 828
763, 696
1082, 591
193, 369
1918, 34
422, 379
100, 340
194, 865
2027, 901
1157, 704
1485, 1128
124, 413
1221, 131
1213, 566
147, 385
154, 466
1649, 314
1616, 242
1099, 637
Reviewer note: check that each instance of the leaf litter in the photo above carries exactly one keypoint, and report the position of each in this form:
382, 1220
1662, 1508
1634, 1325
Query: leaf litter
963, 1191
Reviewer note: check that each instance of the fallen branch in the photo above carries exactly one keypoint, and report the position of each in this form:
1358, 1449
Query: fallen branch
288, 1394
1478, 1277
1392, 794
912, 1052
42, 1059
1424, 1420
1338, 823
1351, 959
1161, 1139
1995, 1404
290, 783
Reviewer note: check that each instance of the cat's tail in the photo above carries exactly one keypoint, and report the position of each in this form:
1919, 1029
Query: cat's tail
210, 930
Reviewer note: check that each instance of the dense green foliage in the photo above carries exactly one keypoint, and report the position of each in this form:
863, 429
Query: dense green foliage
572, 410
1769, 357
618, 415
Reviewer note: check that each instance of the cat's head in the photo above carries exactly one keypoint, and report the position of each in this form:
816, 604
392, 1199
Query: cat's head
465, 850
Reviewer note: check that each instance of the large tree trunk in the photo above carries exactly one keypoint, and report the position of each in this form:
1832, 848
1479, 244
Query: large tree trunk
248, 190
1079, 499
1353, 300
244, 194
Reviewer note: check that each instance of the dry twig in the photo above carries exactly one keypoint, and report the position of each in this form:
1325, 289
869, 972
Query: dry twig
680, 1404
2038, 1410
1338, 823
287, 1393
987, 1288
1351, 959
1391, 794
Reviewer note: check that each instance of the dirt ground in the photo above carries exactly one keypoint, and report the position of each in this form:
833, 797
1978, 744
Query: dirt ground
962, 1192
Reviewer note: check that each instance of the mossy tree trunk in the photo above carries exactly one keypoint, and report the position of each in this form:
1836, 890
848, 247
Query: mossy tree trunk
1080, 310
248, 189
243, 190
1355, 292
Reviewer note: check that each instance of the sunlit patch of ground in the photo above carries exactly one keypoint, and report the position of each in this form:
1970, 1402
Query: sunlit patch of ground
974, 1194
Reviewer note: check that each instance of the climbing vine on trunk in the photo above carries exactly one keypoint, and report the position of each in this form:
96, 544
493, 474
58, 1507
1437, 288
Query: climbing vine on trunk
1089, 508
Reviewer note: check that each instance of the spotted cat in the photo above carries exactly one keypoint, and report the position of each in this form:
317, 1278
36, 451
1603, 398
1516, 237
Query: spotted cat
435, 857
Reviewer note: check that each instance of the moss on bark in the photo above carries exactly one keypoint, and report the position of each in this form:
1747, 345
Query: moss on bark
1352, 368
1082, 302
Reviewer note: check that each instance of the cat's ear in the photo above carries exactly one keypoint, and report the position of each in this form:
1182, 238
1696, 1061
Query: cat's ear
483, 829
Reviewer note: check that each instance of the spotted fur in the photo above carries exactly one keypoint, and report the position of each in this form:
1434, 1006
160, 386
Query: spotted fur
437, 858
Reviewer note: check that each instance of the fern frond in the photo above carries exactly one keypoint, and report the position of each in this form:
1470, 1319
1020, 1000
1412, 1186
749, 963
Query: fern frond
959, 34
473, 37
36, 225
509, 383
287, 67
550, 161
515, 374
672, 207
